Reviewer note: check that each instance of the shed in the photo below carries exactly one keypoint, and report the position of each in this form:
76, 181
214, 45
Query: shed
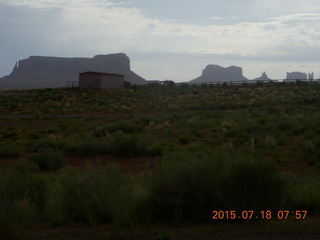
99, 80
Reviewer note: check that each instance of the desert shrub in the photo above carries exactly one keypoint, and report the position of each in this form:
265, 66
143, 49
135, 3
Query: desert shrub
15, 216
285, 126
282, 140
240, 140
186, 185
11, 150
99, 132
299, 130
305, 194
313, 161
24, 167
271, 110
125, 127
45, 143
23, 194
270, 141
146, 120
73, 197
86, 148
70, 199
309, 147
10, 134
226, 125
184, 140
131, 205
253, 185
154, 150
49, 159
35, 134
97, 195
231, 133
127, 145
310, 100
262, 121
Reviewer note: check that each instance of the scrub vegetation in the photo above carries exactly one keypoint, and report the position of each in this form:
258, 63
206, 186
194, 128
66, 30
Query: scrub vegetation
199, 139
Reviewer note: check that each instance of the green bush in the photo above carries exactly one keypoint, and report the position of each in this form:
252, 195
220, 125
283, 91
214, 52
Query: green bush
185, 187
14, 216
99, 132
23, 195
24, 167
72, 199
127, 145
313, 161
190, 186
285, 126
86, 148
10, 134
131, 205
305, 194
97, 195
49, 159
35, 134
184, 140
45, 143
124, 126
252, 184
11, 150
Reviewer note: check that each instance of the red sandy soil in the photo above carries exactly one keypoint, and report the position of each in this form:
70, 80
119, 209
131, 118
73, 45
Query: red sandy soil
7, 162
140, 164
129, 165
293, 168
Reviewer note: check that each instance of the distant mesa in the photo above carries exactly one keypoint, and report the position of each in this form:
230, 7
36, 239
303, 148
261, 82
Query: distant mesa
50, 72
216, 73
293, 76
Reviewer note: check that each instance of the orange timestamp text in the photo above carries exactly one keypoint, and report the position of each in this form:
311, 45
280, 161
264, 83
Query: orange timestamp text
250, 214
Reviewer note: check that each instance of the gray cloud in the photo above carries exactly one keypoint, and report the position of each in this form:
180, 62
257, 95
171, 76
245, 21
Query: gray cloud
204, 31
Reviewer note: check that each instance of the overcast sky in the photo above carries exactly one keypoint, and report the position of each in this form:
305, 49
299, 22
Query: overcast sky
167, 39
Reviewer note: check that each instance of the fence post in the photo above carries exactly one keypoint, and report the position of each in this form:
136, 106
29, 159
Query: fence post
252, 140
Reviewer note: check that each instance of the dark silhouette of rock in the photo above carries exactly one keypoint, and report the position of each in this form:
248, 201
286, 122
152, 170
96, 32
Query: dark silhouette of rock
45, 72
310, 77
264, 77
215, 73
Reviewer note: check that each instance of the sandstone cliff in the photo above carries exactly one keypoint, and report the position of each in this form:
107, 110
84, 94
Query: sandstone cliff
215, 73
44, 72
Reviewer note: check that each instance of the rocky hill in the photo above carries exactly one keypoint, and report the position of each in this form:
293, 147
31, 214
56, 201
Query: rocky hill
45, 72
264, 77
215, 73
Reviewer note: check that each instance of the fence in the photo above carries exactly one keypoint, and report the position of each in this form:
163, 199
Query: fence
249, 82
75, 84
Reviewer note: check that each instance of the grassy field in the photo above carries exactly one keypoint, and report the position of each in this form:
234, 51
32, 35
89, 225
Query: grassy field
135, 158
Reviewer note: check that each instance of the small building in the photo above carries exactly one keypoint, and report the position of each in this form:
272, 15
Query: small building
98, 80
